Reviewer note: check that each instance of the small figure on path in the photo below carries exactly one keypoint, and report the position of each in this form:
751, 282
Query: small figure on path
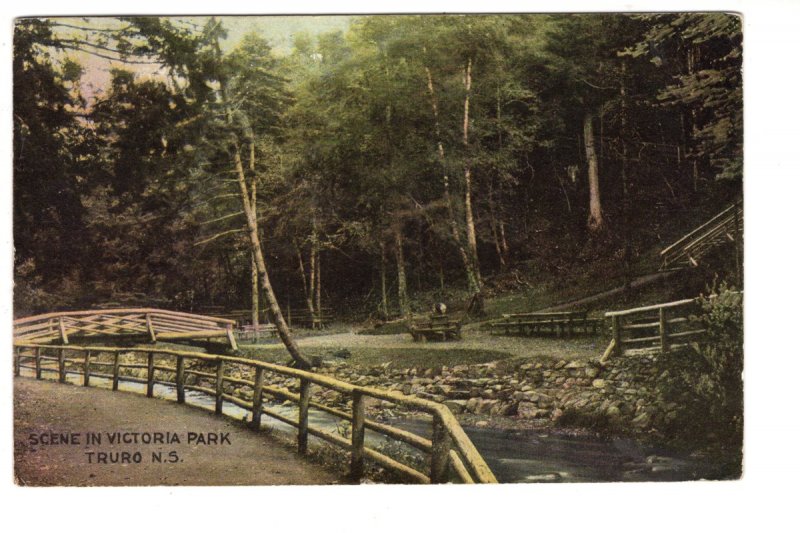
439, 309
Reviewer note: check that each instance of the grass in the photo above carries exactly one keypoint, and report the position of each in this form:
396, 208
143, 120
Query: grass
399, 357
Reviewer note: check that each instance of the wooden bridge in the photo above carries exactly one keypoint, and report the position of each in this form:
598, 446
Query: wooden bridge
686, 251
152, 324
450, 453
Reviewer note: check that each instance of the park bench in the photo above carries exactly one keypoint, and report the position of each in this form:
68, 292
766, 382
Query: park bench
435, 327
251, 332
553, 323
304, 319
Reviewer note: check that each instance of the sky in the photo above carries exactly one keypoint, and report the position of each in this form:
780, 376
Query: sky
278, 30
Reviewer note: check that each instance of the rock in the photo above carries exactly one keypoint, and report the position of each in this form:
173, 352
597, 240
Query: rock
472, 405
482, 424
406, 389
456, 406
576, 364
530, 410
642, 420
599, 383
591, 372
561, 364
556, 414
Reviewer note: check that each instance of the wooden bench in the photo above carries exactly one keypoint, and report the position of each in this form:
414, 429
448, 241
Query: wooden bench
251, 332
435, 327
553, 323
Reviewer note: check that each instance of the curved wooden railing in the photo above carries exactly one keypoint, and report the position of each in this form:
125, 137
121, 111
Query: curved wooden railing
449, 448
155, 324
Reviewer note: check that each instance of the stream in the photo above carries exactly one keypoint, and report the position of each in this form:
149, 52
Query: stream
515, 456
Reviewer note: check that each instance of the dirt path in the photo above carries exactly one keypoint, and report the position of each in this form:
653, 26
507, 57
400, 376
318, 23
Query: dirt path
244, 457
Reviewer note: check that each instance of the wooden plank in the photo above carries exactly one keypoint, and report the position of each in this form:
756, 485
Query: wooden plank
357, 437
396, 466
150, 329
115, 373
151, 373
62, 369
218, 387
258, 385
231, 338
636, 310
663, 330
86, 370
302, 428
180, 379
440, 452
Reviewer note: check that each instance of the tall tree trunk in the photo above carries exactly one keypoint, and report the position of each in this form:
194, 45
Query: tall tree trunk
254, 311
255, 244
384, 298
595, 222
496, 231
254, 304
472, 242
306, 288
312, 277
402, 291
318, 287
453, 222
626, 230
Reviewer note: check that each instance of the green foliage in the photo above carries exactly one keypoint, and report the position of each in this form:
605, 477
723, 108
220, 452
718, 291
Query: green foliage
705, 382
723, 352
133, 192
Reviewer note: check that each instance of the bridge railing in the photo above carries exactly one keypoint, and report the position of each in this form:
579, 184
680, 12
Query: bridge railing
449, 448
155, 324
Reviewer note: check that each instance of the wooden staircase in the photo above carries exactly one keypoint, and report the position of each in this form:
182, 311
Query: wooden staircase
686, 251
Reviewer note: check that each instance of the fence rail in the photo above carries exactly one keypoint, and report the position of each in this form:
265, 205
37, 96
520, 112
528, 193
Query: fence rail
449, 448
727, 225
661, 327
155, 324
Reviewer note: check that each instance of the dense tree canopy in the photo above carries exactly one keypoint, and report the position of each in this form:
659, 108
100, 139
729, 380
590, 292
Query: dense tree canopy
407, 154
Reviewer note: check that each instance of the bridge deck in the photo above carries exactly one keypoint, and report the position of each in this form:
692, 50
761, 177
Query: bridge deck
252, 458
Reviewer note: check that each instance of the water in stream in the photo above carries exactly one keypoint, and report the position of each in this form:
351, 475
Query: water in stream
515, 456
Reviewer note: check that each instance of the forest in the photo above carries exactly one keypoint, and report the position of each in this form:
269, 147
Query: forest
371, 170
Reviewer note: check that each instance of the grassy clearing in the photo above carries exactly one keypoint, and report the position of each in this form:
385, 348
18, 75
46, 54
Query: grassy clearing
374, 356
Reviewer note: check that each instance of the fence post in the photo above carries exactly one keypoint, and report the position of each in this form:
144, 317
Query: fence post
663, 330
258, 388
115, 380
86, 374
151, 373
37, 357
616, 334
302, 426
179, 380
440, 452
17, 363
62, 366
219, 388
357, 437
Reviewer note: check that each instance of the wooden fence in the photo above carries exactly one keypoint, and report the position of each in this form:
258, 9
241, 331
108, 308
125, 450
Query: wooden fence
660, 328
154, 324
449, 449
557, 323
725, 227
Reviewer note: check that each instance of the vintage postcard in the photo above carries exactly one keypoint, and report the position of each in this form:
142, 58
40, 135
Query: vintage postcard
317, 250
